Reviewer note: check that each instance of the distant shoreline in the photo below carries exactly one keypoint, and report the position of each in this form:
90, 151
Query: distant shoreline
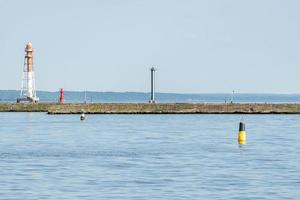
140, 97
145, 108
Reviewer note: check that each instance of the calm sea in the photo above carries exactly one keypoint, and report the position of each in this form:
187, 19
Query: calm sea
133, 97
148, 157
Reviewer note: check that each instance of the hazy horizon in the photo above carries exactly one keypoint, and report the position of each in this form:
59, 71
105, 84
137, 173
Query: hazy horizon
209, 46
148, 92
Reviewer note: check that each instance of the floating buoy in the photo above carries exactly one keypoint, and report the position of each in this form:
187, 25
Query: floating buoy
82, 117
242, 133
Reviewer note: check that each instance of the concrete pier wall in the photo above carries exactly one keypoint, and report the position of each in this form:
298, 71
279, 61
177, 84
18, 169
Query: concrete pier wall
144, 108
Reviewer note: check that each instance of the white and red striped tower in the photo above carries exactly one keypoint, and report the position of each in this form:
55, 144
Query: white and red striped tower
28, 92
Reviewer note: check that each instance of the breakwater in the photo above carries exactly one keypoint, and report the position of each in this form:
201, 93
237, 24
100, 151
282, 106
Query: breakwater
144, 108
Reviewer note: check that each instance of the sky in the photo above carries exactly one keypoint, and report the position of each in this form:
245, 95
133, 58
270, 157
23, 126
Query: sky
197, 46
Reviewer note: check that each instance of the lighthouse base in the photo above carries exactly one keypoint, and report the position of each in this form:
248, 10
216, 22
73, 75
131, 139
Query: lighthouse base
27, 99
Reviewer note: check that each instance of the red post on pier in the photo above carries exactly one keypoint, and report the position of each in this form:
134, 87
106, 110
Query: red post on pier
61, 95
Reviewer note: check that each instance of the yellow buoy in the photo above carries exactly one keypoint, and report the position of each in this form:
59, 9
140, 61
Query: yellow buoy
242, 134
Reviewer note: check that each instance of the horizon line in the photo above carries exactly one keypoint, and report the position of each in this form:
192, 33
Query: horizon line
180, 93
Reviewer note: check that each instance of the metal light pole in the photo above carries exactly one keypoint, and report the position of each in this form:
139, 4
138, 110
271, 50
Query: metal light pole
152, 92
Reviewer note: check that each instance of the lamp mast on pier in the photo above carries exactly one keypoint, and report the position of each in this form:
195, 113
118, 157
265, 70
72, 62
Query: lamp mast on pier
152, 92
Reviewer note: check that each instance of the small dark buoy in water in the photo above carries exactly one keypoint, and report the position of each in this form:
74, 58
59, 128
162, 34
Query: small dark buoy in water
82, 117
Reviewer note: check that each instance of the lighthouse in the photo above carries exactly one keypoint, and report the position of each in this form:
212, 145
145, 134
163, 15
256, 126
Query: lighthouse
28, 92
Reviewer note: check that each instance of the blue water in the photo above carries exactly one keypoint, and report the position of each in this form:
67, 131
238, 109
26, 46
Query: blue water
140, 97
148, 157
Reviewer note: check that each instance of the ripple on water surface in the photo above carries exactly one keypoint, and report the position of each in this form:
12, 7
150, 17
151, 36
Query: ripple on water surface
148, 157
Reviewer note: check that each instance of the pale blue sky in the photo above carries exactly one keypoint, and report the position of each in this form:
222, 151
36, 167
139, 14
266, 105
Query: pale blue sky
198, 46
